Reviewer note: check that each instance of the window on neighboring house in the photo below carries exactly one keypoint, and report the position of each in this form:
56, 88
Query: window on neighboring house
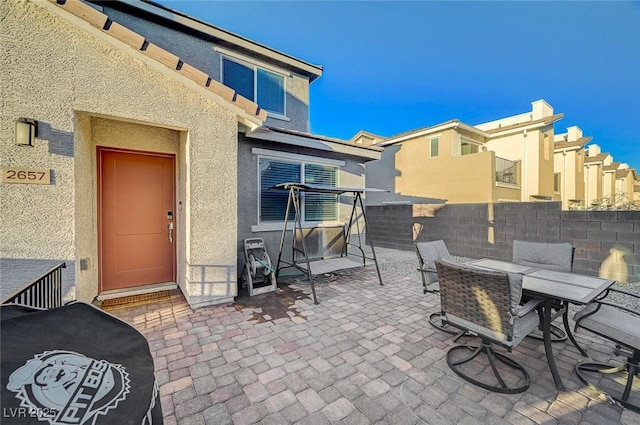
467, 148
262, 86
556, 182
435, 146
315, 206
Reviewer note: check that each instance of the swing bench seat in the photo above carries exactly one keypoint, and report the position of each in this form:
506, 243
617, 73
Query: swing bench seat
323, 256
330, 265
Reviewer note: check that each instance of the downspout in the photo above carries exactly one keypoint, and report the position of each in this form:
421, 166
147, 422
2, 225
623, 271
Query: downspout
525, 168
565, 200
587, 195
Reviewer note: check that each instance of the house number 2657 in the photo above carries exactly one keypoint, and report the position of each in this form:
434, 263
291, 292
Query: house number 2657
26, 175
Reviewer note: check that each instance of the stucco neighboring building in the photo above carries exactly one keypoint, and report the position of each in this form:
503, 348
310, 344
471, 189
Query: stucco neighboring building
594, 174
448, 161
506, 160
626, 179
366, 139
157, 141
569, 154
528, 138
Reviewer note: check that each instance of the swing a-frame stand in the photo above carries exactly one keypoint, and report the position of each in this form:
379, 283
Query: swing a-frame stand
300, 253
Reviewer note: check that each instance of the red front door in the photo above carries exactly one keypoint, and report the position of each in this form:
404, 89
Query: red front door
136, 206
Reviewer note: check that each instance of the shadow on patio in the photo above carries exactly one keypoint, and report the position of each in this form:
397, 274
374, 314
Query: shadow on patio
365, 355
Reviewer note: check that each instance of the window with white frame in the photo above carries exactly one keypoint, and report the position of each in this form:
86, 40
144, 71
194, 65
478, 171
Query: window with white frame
315, 207
434, 147
468, 148
260, 85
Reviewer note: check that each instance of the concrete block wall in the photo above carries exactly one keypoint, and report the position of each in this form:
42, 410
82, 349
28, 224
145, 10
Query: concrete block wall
607, 242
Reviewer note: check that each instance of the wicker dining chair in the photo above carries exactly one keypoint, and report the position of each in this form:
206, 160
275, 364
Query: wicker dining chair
615, 321
487, 304
428, 253
549, 256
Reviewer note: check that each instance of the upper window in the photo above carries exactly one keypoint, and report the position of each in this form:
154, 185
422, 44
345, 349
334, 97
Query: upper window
435, 145
262, 86
315, 206
467, 148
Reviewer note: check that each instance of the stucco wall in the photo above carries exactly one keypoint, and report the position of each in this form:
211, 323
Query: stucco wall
62, 74
571, 166
410, 174
592, 183
350, 175
202, 54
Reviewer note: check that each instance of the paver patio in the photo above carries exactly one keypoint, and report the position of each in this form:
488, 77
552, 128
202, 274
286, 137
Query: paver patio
365, 355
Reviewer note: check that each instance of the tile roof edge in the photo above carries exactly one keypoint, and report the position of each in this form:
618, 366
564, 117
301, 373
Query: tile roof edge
138, 43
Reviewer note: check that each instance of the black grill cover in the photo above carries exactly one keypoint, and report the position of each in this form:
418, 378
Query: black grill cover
75, 365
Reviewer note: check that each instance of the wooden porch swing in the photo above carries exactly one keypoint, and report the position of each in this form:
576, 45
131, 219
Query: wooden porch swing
343, 259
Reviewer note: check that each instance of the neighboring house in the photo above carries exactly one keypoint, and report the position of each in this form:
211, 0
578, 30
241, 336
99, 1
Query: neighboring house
605, 180
529, 139
443, 162
609, 173
594, 174
626, 179
366, 139
161, 134
568, 179
506, 160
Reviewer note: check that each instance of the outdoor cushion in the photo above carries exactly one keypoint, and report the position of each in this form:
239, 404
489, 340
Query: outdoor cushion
550, 256
522, 327
611, 323
429, 252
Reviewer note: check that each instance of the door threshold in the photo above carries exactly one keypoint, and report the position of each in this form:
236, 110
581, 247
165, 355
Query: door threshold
138, 290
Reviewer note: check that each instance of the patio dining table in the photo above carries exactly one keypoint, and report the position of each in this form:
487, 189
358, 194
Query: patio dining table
552, 287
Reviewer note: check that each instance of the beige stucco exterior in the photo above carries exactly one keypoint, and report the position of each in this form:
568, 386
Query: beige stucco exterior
625, 181
86, 90
594, 164
593, 183
532, 145
569, 164
449, 175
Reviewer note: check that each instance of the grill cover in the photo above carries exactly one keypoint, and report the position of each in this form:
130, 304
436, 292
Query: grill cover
75, 365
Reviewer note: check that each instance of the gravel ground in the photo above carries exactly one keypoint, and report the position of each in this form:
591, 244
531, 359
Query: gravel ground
406, 263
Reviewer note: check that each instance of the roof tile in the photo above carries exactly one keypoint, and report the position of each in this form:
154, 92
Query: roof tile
84, 12
194, 74
125, 35
166, 58
138, 42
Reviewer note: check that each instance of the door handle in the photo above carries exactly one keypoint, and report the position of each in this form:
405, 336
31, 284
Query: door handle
170, 229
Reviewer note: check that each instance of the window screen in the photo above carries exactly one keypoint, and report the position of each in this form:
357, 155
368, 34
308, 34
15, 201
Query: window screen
270, 91
238, 77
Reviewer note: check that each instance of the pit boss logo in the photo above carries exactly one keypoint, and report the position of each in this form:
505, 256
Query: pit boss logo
69, 387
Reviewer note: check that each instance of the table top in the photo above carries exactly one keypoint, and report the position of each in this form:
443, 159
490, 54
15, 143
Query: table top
503, 266
572, 287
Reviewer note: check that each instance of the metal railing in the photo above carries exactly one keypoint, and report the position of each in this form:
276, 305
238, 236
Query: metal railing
506, 170
45, 292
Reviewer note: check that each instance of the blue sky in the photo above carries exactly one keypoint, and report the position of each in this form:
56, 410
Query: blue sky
390, 67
